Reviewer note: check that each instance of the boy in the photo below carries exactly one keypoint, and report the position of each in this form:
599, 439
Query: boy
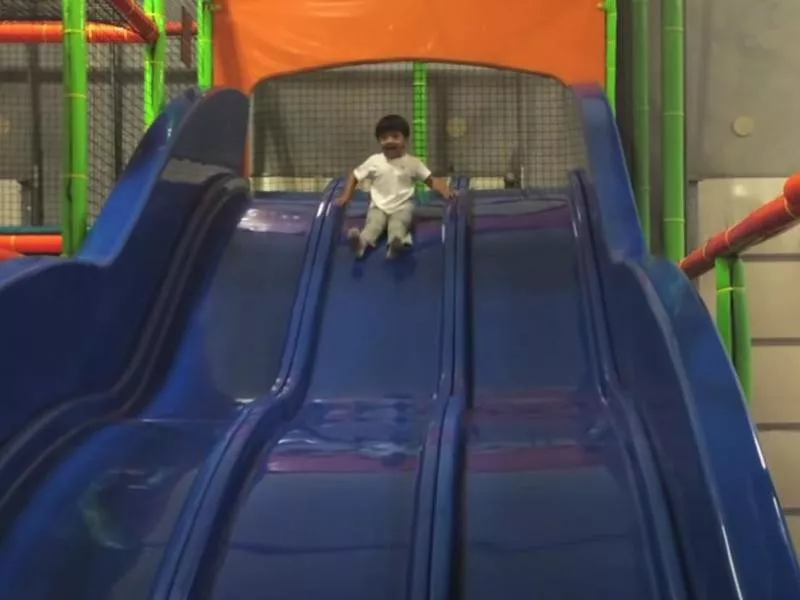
392, 173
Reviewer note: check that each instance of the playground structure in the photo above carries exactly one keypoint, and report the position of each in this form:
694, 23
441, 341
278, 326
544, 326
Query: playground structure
542, 184
77, 105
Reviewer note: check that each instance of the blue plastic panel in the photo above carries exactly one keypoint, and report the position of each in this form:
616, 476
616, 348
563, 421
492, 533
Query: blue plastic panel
334, 496
668, 357
53, 314
548, 488
375, 312
112, 500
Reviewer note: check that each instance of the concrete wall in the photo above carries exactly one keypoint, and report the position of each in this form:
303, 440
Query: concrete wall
742, 64
742, 67
742, 108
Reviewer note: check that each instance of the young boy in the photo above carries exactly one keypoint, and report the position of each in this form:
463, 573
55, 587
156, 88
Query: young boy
392, 173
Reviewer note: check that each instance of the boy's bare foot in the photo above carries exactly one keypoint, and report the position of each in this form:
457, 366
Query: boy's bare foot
356, 243
396, 246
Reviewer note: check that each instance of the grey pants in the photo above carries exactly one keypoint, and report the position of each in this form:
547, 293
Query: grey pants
396, 225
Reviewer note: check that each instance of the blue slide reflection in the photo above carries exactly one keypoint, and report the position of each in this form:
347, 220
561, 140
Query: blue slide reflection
524, 405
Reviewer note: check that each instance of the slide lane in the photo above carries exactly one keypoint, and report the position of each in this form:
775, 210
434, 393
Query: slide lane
338, 504
555, 499
727, 520
102, 524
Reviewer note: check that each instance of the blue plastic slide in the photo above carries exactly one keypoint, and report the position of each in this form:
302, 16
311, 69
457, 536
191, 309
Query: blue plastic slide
215, 400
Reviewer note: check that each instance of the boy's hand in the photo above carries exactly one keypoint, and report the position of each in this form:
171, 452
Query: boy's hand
347, 192
440, 187
445, 191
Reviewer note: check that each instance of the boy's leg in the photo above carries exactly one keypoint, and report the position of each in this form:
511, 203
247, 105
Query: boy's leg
400, 223
398, 228
373, 228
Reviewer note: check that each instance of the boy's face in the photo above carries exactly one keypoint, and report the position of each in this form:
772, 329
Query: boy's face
393, 144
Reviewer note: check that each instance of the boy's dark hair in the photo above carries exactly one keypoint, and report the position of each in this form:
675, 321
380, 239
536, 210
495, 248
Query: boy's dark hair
392, 124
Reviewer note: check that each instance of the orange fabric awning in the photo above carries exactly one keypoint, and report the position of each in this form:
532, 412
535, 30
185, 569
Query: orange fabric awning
255, 39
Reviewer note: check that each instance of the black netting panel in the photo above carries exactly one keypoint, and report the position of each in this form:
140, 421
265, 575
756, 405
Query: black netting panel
99, 11
498, 127
51, 119
116, 115
180, 75
30, 134
102, 124
17, 119
500, 124
116, 104
129, 103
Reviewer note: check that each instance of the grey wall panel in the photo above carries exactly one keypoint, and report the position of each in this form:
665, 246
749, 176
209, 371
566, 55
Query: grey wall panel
742, 63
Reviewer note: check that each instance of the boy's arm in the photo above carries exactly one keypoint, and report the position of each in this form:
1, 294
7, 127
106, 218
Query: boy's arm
358, 174
440, 186
436, 184
348, 191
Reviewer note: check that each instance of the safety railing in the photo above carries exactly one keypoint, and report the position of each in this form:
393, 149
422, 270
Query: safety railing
722, 253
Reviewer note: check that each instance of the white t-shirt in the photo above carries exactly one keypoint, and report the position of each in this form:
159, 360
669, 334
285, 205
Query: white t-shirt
392, 180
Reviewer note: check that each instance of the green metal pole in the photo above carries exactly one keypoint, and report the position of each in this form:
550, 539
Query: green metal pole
742, 340
641, 112
149, 115
611, 52
205, 48
419, 131
673, 127
722, 269
154, 64
74, 213
160, 57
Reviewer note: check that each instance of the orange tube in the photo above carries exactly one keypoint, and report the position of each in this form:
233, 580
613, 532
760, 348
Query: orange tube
175, 28
52, 32
763, 223
137, 19
31, 244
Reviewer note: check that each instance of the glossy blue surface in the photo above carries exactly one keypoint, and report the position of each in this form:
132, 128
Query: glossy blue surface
227, 468
549, 486
523, 406
728, 521
334, 493
112, 502
53, 312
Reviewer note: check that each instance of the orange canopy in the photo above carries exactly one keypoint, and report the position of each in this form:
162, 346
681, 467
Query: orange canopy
257, 38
